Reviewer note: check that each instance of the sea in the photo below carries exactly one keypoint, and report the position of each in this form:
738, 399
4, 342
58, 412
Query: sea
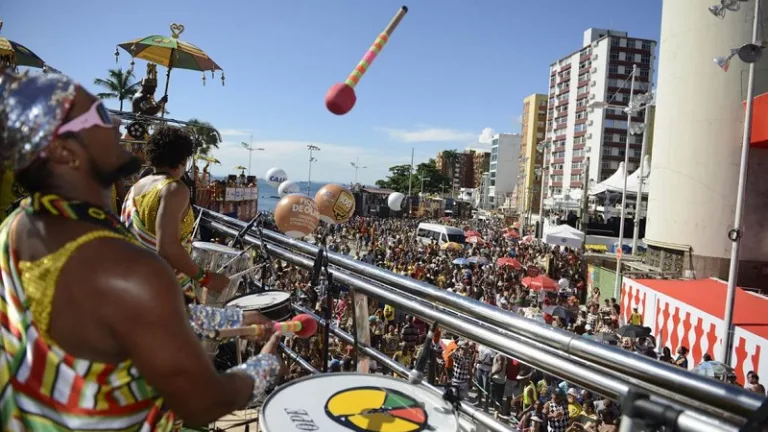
268, 197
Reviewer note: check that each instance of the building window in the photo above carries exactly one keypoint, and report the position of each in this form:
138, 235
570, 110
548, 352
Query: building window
613, 69
575, 177
644, 73
614, 41
580, 127
614, 55
646, 45
580, 140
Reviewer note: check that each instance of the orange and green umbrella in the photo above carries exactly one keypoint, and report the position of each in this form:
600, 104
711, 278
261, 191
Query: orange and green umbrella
15, 54
171, 53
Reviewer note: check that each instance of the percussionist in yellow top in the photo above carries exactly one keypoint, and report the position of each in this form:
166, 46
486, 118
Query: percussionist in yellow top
157, 209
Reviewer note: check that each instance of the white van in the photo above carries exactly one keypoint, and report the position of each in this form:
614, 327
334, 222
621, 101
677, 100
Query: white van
427, 232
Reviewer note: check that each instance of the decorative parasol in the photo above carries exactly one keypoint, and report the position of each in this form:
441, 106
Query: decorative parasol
171, 53
240, 168
508, 261
14, 54
540, 282
452, 246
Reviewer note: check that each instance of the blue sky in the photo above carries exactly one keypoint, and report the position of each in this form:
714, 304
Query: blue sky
452, 69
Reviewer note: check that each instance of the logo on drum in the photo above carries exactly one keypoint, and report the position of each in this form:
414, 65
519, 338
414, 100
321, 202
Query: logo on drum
376, 409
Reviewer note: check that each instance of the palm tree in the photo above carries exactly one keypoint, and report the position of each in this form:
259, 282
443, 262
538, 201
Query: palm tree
119, 84
206, 136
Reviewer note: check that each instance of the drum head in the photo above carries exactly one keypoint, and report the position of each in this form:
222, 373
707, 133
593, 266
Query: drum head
260, 301
215, 247
355, 402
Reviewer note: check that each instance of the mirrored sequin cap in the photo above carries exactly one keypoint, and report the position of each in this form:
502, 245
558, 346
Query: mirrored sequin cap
32, 107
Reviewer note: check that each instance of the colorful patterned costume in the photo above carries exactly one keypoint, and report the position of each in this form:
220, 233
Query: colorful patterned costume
45, 388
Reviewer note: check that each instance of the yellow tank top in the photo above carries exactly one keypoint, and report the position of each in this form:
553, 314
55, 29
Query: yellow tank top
148, 204
49, 388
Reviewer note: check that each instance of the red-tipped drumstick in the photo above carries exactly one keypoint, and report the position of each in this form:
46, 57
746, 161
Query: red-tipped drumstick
302, 326
341, 96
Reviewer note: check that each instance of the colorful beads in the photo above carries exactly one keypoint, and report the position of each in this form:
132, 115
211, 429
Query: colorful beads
264, 369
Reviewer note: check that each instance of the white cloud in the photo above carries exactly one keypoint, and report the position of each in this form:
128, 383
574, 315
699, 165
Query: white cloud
486, 136
230, 133
519, 119
428, 135
333, 160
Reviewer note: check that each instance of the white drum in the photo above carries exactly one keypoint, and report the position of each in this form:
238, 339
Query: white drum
212, 256
343, 402
275, 305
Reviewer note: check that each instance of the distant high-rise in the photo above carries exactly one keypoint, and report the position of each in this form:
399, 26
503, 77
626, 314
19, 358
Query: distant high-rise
504, 167
599, 71
533, 130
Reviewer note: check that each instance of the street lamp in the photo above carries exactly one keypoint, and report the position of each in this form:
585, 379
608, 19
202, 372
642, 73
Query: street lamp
311, 148
632, 107
646, 99
541, 172
356, 166
750, 54
422, 185
249, 146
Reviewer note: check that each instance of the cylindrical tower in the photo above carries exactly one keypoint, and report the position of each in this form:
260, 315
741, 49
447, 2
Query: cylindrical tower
697, 144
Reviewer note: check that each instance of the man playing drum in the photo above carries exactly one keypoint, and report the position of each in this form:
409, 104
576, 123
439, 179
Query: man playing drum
94, 332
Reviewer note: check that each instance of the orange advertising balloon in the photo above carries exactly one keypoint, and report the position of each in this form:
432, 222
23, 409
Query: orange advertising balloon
335, 203
297, 215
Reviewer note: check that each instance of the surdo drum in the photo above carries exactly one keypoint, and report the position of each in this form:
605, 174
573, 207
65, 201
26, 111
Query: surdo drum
212, 256
275, 305
342, 402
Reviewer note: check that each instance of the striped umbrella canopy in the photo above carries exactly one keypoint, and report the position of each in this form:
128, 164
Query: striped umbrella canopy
171, 53
15, 54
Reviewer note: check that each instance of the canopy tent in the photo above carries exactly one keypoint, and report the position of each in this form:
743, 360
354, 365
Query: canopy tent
565, 235
615, 183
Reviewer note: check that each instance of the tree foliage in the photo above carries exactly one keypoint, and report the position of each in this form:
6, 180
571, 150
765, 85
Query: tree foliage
119, 84
206, 136
398, 178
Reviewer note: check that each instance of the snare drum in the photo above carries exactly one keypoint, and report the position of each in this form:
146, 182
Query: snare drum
346, 402
213, 256
275, 305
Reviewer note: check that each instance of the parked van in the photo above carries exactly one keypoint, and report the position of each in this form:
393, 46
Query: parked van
427, 232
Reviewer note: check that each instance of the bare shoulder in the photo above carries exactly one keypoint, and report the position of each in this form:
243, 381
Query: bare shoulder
176, 189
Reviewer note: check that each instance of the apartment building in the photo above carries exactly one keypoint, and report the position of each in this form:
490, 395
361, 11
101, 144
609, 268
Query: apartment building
575, 131
503, 168
532, 132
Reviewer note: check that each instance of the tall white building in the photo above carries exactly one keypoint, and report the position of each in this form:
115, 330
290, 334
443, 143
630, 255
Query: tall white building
504, 167
598, 71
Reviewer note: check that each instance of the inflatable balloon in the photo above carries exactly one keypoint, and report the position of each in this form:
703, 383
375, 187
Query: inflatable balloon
296, 215
275, 176
335, 203
395, 201
563, 283
288, 187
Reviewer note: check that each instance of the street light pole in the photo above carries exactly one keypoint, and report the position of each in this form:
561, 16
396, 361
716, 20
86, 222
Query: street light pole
311, 148
641, 179
735, 233
249, 146
617, 285
410, 177
357, 166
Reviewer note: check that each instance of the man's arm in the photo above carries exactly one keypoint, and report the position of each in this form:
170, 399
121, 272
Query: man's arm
144, 310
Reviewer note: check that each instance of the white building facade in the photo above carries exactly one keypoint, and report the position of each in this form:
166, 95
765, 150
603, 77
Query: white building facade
599, 71
504, 167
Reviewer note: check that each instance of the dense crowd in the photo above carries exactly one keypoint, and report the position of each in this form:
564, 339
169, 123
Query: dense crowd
500, 266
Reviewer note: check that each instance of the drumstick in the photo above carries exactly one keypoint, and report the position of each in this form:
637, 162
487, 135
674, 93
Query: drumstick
302, 326
234, 258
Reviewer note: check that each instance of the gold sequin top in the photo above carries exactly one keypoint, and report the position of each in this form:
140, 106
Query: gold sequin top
40, 277
148, 204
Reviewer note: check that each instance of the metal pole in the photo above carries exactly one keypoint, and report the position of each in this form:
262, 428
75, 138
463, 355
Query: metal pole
410, 176
250, 154
585, 206
646, 132
735, 233
544, 170
617, 285
309, 174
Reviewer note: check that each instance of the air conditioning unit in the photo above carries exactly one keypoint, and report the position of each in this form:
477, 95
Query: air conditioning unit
590, 122
593, 70
591, 109
589, 136
594, 56
591, 96
593, 83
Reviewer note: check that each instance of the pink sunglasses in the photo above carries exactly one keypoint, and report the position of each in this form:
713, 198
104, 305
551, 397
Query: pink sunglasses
97, 115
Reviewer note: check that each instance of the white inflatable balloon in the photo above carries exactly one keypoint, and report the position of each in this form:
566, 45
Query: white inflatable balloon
275, 176
288, 187
395, 201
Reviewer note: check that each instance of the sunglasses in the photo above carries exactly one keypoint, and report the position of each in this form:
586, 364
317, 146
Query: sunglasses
97, 115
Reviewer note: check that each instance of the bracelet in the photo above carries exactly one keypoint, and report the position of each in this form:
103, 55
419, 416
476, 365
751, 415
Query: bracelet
200, 273
264, 369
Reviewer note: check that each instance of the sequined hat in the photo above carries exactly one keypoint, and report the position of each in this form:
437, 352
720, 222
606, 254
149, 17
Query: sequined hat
32, 107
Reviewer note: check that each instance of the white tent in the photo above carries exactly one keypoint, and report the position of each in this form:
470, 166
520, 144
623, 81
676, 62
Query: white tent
565, 235
633, 181
615, 183
612, 183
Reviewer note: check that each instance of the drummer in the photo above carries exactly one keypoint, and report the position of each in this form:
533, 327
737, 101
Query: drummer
94, 323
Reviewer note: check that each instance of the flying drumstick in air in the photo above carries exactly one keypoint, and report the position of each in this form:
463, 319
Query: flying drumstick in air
341, 98
303, 326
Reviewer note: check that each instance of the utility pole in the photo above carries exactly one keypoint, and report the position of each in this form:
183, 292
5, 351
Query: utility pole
357, 166
641, 179
585, 205
249, 146
311, 148
410, 177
